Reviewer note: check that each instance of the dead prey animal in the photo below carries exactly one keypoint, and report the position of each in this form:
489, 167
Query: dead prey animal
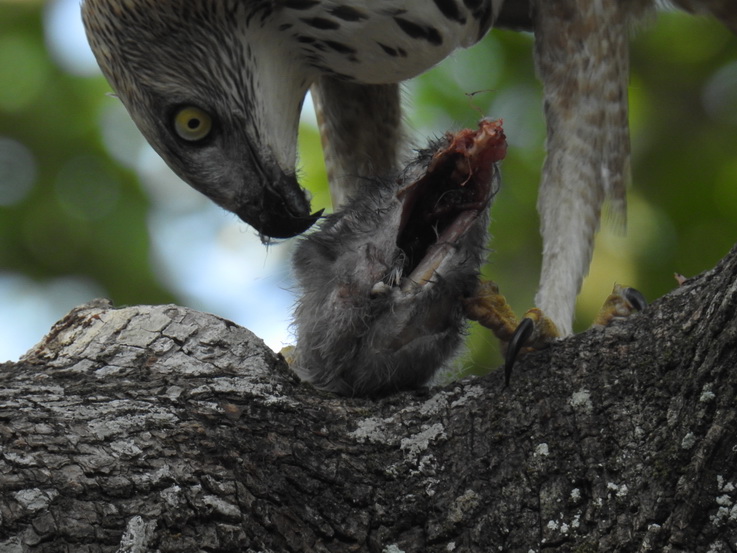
382, 282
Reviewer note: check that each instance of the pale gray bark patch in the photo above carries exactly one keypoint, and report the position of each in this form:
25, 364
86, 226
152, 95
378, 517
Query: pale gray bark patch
137, 536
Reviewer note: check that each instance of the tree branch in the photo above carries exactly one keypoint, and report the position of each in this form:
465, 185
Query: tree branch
165, 429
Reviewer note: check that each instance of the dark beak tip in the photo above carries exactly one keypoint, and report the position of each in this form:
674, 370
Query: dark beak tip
284, 225
277, 209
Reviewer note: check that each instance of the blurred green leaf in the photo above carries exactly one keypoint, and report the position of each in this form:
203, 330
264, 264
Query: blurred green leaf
84, 215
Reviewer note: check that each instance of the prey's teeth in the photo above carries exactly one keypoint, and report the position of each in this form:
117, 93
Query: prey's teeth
381, 288
426, 269
409, 286
441, 251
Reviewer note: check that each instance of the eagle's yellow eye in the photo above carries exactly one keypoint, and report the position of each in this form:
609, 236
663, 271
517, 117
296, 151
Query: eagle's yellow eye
192, 123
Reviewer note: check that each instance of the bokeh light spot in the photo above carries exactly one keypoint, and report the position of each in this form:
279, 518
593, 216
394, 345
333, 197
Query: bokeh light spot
23, 71
120, 135
30, 308
720, 94
66, 40
86, 188
17, 171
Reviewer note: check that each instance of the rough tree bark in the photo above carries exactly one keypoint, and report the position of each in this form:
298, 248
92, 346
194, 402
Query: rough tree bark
164, 429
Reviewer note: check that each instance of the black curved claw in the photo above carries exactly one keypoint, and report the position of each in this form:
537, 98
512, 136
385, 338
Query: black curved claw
519, 339
635, 297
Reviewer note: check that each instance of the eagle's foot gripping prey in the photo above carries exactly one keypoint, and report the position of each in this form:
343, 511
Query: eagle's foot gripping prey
536, 331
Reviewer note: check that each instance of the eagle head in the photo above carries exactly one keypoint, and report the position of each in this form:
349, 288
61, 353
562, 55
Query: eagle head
217, 101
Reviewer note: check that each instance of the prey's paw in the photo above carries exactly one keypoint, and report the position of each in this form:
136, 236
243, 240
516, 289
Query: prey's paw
621, 303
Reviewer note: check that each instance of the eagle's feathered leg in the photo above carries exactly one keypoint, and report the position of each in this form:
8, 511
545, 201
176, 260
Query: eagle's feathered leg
361, 132
582, 58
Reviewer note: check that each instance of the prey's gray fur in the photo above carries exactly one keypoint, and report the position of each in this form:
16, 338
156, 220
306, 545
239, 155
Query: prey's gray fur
364, 327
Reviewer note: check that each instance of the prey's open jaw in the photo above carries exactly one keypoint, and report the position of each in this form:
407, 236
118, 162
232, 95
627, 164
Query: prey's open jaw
439, 208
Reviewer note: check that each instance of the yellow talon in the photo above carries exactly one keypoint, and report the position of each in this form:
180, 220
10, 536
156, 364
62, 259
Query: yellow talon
621, 303
536, 331
289, 354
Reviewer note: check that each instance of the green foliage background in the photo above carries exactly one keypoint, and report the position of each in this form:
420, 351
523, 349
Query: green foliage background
85, 214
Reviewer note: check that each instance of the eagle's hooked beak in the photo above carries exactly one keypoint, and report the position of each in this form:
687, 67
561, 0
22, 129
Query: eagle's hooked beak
279, 216
282, 209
